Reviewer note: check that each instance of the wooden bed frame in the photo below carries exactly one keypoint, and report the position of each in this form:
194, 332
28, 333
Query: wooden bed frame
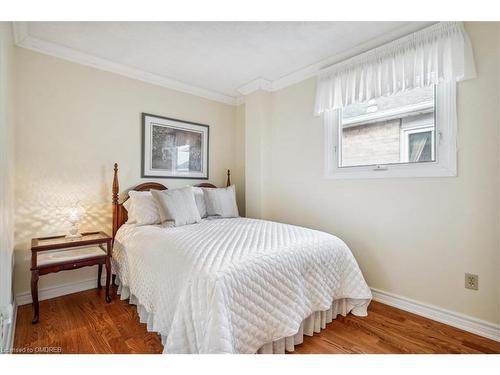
120, 213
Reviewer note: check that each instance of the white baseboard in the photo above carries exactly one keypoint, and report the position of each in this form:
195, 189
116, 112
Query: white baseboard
24, 298
467, 323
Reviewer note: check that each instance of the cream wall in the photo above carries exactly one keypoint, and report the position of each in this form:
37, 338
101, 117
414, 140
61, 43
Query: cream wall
74, 122
239, 170
6, 173
257, 141
412, 237
415, 237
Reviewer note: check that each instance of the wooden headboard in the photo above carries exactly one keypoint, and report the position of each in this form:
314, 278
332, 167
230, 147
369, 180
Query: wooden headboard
120, 213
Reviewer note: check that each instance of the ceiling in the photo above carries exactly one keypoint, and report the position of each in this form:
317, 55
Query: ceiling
219, 60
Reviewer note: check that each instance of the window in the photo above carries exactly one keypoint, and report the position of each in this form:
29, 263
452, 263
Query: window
409, 134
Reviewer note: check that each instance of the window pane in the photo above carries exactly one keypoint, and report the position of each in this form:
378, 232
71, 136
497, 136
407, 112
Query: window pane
420, 147
389, 130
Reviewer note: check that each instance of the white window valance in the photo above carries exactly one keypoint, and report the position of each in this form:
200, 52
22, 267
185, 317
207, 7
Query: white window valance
439, 53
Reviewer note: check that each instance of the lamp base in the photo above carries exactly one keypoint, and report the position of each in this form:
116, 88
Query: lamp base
73, 237
73, 233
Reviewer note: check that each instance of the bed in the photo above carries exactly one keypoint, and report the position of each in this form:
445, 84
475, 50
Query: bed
235, 285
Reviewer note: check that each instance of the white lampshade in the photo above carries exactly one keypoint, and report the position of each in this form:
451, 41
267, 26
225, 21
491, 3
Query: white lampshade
75, 213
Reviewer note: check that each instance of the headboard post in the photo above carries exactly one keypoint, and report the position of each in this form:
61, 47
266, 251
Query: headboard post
228, 182
116, 189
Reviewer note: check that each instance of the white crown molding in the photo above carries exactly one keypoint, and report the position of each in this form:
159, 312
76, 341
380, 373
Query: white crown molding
23, 39
256, 84
313, 69
467, 323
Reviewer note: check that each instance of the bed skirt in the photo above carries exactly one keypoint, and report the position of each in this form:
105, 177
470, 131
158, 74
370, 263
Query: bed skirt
312, 324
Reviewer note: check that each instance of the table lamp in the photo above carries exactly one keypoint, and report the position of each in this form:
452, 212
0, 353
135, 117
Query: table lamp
74, 215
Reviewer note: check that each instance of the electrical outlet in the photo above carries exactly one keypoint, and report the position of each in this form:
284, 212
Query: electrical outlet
471, 281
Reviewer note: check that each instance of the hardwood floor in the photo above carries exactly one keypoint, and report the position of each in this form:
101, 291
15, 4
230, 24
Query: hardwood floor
389, 330
84, 323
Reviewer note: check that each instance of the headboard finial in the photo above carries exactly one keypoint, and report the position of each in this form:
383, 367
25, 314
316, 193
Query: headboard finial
228, 182
116, 189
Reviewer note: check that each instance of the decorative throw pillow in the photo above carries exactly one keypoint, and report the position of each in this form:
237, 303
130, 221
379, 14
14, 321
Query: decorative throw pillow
141, 208
221, 202
199, 197
178, 206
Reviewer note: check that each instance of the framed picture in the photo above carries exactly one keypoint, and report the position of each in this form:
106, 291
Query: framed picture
173, 148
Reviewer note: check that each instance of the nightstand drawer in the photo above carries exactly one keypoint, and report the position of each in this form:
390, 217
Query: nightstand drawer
50, 268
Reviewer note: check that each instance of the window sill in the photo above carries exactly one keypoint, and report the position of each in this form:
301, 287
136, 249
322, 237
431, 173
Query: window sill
393, 171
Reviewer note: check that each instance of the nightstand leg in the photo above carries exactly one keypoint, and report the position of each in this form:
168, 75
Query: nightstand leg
108, 279
99, 274
34, 295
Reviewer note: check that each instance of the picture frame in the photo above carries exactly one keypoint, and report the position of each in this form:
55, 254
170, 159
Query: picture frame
173, 148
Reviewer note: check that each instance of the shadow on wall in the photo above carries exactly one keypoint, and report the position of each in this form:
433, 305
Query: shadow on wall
42, 202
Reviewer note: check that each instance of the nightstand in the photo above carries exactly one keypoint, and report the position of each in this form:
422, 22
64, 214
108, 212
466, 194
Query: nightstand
54, 254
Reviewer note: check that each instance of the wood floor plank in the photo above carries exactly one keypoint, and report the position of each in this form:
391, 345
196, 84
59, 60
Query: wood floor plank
84, 323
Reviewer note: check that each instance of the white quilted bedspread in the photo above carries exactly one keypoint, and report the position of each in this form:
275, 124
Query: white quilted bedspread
232, 285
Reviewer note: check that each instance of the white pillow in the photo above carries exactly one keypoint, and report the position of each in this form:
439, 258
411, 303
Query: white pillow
141, 208
199, 197
221, 202
177, 205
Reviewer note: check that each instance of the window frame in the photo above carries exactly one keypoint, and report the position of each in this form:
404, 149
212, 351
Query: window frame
405, 136
445, 164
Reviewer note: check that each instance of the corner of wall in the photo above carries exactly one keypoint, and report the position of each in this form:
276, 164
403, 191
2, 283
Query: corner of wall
239, 152
6, 185
257, 146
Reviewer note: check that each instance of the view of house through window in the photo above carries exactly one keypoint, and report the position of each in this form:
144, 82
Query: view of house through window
389, 130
